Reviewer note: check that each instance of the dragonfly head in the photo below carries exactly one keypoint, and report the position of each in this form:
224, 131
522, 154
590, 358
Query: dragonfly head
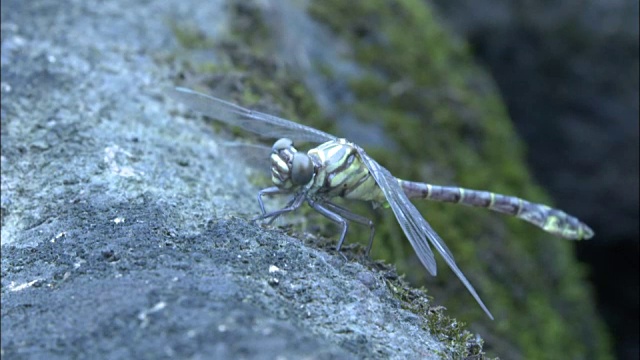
290, 168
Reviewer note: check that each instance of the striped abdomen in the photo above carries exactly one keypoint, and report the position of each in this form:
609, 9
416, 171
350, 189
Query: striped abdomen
552, 220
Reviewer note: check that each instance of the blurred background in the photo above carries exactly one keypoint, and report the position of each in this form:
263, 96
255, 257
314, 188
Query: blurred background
568, 72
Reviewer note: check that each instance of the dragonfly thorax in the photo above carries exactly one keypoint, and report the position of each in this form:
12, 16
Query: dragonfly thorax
290, 168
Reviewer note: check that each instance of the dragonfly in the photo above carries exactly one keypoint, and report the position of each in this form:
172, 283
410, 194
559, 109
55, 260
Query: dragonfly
338, 168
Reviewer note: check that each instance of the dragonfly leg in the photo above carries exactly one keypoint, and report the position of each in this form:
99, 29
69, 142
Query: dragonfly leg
346, 213
335, 218
273, 218
292, 205
268, 191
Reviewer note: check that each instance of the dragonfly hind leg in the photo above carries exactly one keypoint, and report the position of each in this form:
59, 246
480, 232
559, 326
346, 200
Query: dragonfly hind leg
338, 214
335, 218
345, 213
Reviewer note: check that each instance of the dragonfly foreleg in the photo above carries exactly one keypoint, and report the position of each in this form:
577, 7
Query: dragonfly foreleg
268, 191
346, 213
274, 218
292, 205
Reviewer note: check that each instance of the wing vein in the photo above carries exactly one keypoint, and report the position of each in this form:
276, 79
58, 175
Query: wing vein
260, 123
416, 228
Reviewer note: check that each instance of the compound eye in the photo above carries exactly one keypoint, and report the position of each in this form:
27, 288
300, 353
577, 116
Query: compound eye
301, 169
282, 144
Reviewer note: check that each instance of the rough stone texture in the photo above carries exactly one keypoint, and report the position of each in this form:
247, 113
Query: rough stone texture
568, 71
117, 240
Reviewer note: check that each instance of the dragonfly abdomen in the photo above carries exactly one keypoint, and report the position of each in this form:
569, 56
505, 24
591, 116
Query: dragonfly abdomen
552, 220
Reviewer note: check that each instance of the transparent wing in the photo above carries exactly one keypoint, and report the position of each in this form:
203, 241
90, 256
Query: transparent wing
262, 124
418, 231
255, 155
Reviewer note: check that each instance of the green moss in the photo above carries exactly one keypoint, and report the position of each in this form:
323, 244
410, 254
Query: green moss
462, 343
189, 37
